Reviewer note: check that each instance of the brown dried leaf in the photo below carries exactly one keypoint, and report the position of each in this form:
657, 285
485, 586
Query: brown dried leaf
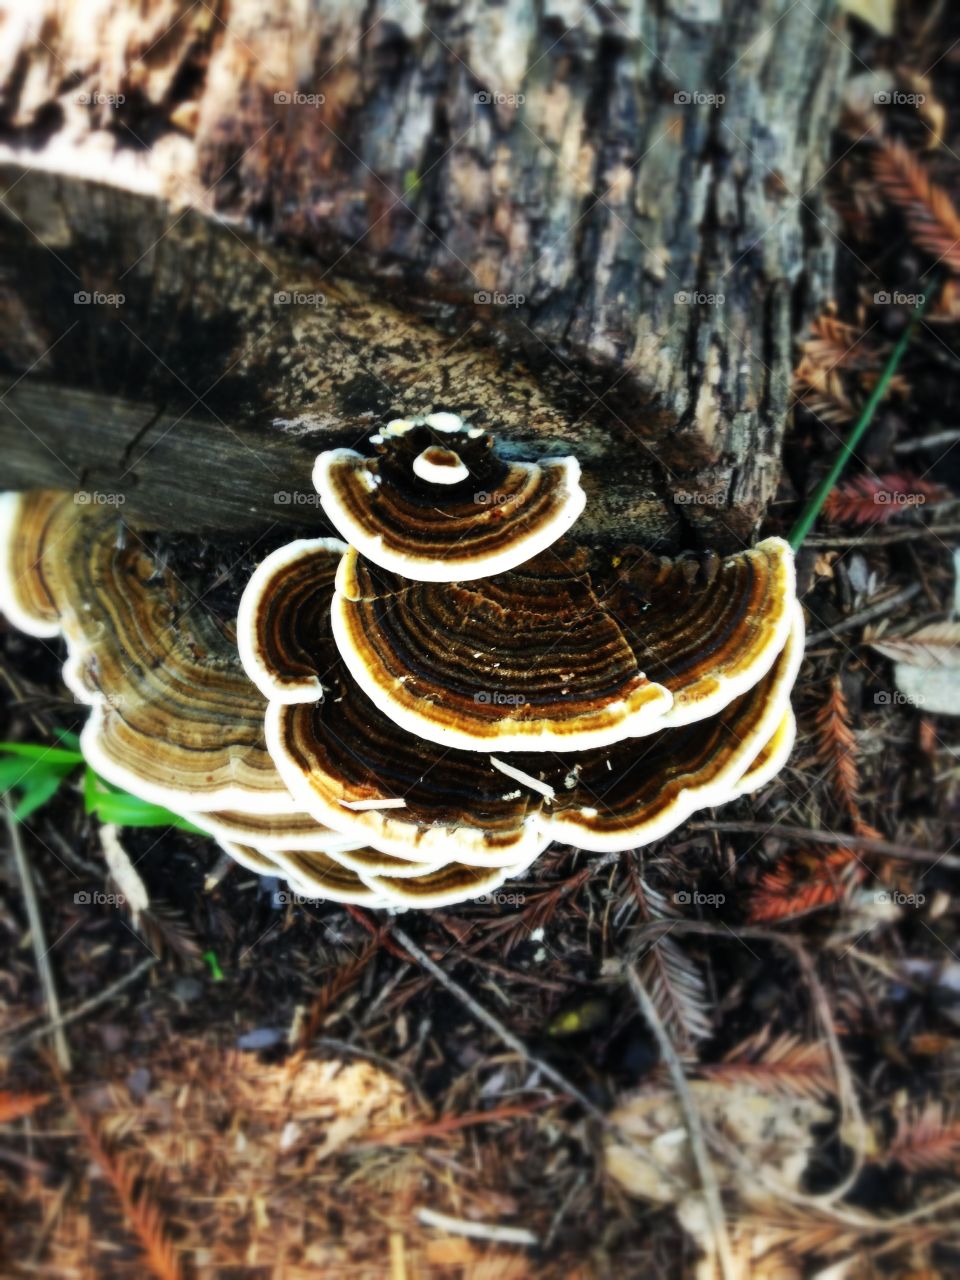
937, 645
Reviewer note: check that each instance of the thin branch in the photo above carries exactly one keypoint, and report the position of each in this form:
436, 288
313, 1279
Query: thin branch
517, 1045
698, 1145
908, 852
81, 1010
870, 614
38, 938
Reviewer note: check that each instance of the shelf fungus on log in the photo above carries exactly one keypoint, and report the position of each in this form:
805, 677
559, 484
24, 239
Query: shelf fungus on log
410, 718
546, 657
438, 504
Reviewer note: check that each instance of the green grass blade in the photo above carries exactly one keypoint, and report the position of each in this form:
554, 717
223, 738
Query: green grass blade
37, 795
34, 751
819, 496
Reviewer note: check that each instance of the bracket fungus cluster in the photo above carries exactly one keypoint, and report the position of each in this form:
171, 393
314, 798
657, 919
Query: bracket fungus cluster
411, 717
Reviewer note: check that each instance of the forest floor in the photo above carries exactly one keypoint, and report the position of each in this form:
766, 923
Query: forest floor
266, 1088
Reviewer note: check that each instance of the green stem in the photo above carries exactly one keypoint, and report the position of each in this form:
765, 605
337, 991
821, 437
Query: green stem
819, 496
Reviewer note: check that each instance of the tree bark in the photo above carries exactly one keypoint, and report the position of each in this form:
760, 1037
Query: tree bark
524, 212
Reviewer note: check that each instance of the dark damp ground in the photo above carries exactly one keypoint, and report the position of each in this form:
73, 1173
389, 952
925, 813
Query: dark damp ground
195, 1061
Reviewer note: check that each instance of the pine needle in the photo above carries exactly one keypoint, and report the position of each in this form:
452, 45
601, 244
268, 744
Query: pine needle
141, 1212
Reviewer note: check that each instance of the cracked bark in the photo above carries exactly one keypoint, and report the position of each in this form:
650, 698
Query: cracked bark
498, 149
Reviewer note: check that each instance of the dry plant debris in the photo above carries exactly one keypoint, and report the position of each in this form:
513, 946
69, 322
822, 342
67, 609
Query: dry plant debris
307, 1088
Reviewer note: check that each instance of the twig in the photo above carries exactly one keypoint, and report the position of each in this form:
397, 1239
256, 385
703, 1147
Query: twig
935, 441
497, 1027
846, 1091
81, 1010
477, 1230
698, 1145
882, 537
819, 496
909, 853
873, 611
517, 1045
37, 937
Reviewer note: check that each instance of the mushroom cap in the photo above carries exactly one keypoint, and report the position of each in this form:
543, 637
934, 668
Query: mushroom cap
345, 761
269, 831
174, 718
378, 882
354, 768
24, 596
437, 504
348, 765
445, 886
540, 658
771, 758
638, 791
312, 875
283, 606
706, 628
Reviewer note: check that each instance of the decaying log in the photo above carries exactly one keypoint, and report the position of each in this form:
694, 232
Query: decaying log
506, 207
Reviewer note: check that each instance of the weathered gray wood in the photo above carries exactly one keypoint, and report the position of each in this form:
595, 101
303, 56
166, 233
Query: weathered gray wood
440, 152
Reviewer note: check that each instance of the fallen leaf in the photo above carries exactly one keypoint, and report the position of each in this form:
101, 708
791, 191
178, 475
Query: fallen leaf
937, 645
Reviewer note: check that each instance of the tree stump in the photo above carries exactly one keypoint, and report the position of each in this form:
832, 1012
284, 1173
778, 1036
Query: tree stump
592, 228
